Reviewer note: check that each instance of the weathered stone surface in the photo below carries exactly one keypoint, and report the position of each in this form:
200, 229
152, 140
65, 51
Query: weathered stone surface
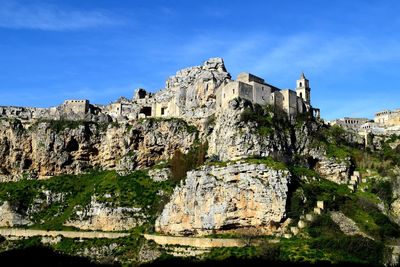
193, 89
221, 198
334, 170
100, 216
160, 175
9, 217
148, 254
231, 138
42, 150
346, 225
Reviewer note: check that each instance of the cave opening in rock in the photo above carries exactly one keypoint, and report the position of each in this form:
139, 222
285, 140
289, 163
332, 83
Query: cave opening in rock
312, 162
72, 145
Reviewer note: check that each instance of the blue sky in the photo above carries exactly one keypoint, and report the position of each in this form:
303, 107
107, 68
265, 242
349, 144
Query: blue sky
100, 50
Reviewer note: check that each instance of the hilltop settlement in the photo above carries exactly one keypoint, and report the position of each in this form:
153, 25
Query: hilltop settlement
208, 168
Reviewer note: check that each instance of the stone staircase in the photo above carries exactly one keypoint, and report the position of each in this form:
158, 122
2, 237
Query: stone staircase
355, 181
305, 220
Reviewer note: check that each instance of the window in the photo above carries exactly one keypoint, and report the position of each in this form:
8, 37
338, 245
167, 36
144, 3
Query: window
224, 95
233, 91
162, 111
301, 95
300, 84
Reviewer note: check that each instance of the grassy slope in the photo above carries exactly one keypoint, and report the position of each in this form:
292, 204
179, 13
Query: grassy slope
133, 190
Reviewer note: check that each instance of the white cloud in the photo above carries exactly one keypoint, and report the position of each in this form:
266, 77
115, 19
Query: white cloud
263, 53
16, 15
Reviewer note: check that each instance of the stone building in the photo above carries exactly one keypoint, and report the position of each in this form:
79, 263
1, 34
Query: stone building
76, 106
256, 90
388, 117
350, 123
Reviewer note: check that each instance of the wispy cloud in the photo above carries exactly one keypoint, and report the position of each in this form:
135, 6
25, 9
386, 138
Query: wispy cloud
16, 15
265, 53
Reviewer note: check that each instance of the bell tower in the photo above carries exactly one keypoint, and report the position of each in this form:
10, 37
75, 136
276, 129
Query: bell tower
303, 88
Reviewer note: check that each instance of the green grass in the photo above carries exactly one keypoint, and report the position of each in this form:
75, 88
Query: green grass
224, 253
299, 171
133, 190
370, 219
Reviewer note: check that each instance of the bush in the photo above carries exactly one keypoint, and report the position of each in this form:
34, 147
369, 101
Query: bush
270, 251
370, 219
261, 116
384, 190
324, 226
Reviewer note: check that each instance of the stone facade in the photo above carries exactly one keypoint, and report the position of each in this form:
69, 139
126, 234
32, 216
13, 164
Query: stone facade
256, 90
384, 123
350, 123
76, 106
388, 117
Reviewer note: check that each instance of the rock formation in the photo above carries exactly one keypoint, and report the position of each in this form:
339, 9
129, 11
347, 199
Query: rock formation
214, 199
56, 147
104, 217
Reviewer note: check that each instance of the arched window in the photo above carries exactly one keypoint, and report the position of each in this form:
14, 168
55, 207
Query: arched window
301, 95
300, 84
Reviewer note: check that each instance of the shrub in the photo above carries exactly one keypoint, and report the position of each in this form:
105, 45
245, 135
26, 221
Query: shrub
384, 190
270, 251
324, 226
370, 219
261, 116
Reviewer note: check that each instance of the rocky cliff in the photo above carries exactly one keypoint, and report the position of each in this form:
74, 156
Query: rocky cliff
48, 148
215, 199
193, 89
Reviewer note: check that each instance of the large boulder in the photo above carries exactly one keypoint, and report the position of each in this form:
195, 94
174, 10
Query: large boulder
217, 199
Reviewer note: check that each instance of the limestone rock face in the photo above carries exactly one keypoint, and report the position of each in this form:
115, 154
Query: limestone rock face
193, 89
346, 225
215, 199
100, 216
9, 217
43, 149
160, 175
333, 170
231, 138
395, 205
395, 210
